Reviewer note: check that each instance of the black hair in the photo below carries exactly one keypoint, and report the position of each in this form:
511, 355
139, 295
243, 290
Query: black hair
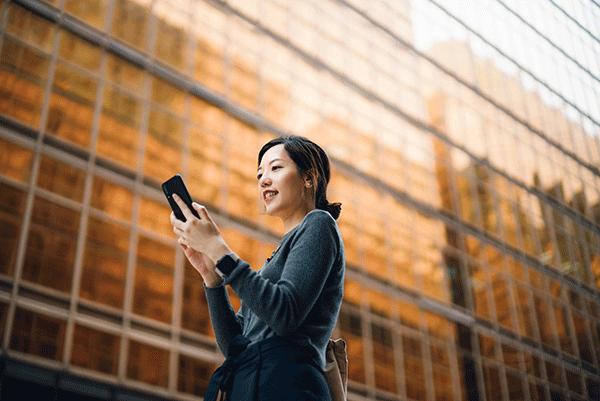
310, 159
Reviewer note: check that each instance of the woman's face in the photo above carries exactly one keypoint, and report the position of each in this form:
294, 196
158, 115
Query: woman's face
282, 189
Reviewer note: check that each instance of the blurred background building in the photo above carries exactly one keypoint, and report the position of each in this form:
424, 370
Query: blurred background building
464, 139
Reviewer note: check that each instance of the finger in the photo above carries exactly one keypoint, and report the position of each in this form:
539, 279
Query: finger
202, 212
182, 241
184, 209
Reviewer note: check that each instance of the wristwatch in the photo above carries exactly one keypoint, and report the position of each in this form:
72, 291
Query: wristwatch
226, 264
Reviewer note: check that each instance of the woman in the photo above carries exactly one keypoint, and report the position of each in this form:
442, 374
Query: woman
275, 344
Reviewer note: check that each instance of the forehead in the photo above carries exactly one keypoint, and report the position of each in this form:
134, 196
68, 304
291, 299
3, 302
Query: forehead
276, 152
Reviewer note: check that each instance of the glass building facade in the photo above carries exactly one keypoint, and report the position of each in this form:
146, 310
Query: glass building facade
464, 142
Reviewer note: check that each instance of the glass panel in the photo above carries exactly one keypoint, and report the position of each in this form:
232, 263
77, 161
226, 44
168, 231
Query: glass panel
480, 290
148, 364
414, 372
352, 292
241, 181
563, 328
194, 308
511, 357
12, 207
209, 45
381, 304
96, 350
543, 316
372, 234
515, 386
502, 300
92, 11
583, 343
487, 345
23, 72
30, 27
162, 158
119, 124
38, 335
554, 373
351, 331
493, 388
171, 25
130, 22
410, 315
153, 294
439, 327
154, 216
112, 199
206, 154
15, 161
71, 108
245, 247
442, 376
105, 263
51, 245
383, 358
574, 381
61, 179
194, 375
79, 51
524, 311
3, 315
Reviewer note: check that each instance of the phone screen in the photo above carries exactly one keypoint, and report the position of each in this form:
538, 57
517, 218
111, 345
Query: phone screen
175, 185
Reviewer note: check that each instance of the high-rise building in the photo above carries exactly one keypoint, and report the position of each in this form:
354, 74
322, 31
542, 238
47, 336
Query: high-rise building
464, 142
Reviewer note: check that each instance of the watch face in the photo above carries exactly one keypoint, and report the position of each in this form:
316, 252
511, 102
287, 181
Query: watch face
226, 264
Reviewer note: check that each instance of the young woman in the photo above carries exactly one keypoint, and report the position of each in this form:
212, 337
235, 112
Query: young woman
275, 344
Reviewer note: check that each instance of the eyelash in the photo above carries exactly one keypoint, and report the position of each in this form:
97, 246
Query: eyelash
258, 177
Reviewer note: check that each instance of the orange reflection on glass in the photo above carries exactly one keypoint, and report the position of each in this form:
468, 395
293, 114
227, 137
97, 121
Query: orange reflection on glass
438, 326
105, 263
352, 292
51, 245
96, 350
350, 326
194, 308
563, 328
414, 371
383, 358
79, 51
479, 288
37, 334
245, 247
112, 199
242, 195
491, 378
410, 315
524, 310
205, 166
71, 107
12, 207
148, 364
442, 375
130, 22
171, 24
155, 216
153, 293
93, 12
194, 375
543, 317
15, 161
381, 304
429, 263
61, 179
372, 234
23, 72
162, 156
502, 299
30, 27
583, 343
119, 124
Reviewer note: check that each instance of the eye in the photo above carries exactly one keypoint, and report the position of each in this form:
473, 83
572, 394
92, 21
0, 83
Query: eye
258, 176
275, 167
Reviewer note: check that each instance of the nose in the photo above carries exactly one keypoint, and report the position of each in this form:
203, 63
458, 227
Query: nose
264, 181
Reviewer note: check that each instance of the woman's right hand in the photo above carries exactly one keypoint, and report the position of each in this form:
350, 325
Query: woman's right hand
204, 265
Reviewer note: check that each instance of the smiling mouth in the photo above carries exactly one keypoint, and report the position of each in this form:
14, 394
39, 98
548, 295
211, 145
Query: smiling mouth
269, 195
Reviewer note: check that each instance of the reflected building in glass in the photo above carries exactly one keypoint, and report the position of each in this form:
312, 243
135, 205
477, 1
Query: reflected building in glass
464, 144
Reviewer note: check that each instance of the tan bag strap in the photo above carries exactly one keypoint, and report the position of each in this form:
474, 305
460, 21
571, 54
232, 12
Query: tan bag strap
336, 369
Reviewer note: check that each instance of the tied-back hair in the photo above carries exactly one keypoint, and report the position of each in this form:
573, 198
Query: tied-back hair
310, 159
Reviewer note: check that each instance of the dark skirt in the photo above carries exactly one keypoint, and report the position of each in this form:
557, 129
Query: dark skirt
272, 369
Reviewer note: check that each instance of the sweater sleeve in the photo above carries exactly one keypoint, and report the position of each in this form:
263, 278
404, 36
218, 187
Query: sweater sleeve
226, 323
283, 305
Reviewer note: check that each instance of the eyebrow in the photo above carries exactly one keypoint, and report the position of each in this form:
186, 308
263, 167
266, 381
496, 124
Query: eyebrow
271, 162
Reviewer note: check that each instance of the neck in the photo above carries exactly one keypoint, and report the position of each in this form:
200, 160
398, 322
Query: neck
296, 218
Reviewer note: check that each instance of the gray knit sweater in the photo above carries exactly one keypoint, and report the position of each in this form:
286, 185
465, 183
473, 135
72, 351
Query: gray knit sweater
297, 294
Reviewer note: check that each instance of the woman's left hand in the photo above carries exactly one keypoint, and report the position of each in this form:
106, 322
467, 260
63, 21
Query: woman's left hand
200, 234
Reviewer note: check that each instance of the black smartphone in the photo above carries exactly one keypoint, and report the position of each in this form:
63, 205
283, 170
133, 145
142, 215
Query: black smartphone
175, 185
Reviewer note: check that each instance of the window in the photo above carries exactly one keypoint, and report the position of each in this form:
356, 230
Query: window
194, 375
37, 334
96, 350
148, 364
